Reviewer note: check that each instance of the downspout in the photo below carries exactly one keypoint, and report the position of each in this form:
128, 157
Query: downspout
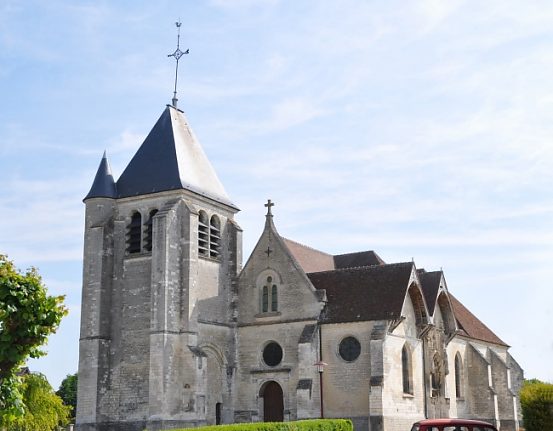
320, 372
370, 388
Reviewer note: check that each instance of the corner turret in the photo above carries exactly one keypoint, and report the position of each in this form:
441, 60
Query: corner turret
103, 185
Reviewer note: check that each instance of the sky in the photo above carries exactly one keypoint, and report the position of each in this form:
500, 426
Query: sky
419, 129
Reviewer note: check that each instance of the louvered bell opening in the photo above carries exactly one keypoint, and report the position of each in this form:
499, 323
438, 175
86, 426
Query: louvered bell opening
134, 234
148, 239
203, 239
214, 237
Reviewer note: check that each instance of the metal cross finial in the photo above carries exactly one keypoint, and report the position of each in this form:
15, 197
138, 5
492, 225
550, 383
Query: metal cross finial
177, 54
268, 205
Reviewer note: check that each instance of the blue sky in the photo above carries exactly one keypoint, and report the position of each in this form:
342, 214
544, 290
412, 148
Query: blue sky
419, 129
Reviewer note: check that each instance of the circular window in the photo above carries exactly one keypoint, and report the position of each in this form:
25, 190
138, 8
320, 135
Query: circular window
349, 349
272, 354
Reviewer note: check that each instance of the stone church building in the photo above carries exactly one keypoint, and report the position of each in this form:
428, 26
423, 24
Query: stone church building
177, 332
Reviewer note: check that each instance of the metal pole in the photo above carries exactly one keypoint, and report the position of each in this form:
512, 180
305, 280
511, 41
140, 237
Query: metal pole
321, 387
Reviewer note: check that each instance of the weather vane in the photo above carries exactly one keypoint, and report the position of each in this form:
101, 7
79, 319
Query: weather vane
177, 54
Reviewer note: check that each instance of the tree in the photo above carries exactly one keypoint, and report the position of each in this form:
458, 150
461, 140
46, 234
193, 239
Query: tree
536, 400
68, 392
44, 410
28, 315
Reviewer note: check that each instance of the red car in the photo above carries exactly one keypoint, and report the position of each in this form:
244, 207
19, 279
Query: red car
452, 424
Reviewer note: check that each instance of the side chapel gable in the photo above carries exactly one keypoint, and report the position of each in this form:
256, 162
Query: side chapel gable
272, 268
414, 304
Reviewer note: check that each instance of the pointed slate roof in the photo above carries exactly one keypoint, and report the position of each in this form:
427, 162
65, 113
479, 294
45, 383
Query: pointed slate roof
430, 282
171, 158
103, 185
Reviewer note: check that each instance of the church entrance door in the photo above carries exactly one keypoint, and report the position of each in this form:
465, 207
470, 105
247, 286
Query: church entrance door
273, 403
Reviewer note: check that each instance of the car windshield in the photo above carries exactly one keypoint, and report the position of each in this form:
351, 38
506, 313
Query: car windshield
415, 427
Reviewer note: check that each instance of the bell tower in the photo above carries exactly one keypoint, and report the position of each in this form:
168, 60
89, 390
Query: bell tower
161, 251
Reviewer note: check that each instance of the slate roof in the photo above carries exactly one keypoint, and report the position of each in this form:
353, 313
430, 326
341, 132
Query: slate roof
471, 326
312, 260
103, 185
364, 293
430, 282
171, 158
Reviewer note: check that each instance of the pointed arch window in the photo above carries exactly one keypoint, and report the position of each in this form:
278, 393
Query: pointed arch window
148, 239
134, 233
406, 370
458, 376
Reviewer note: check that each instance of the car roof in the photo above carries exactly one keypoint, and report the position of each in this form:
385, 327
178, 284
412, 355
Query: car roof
452, 421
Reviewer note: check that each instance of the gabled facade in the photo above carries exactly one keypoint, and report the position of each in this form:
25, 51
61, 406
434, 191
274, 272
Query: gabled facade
175, 333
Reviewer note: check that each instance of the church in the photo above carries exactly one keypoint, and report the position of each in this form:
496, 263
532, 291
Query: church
177, 331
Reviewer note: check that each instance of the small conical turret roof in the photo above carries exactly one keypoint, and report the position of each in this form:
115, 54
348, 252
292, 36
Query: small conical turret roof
171, 158
103, 185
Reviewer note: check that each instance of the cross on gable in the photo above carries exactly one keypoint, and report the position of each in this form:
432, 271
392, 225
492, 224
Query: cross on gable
268, 251
268, 205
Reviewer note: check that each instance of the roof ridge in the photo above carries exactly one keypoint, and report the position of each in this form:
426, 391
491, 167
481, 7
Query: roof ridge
358, 268
356, 252
306, 246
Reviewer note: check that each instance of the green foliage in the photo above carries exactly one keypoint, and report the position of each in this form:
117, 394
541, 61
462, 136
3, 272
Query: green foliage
305, 425
28, 315
68, 392
536, 400
44, 411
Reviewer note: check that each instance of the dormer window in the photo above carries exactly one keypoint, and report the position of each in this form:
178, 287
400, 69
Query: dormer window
134, 233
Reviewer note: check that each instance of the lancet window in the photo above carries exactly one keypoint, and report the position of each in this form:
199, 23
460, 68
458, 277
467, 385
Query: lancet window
458, 376
407, 370
269, 295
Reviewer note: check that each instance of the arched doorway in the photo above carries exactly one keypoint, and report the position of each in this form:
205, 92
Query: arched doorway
273, 402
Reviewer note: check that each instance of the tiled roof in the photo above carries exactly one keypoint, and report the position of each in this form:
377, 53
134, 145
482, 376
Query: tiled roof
364, 293
471, 325
430, 282
312, 260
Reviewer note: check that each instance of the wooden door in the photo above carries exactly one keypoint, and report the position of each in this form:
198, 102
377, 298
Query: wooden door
273, 403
